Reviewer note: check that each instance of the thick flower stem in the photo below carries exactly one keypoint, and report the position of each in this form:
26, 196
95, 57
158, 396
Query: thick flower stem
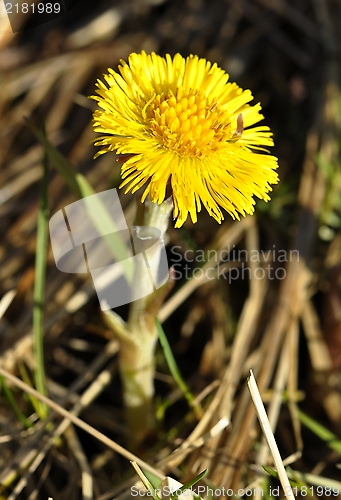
136, 363
136, 367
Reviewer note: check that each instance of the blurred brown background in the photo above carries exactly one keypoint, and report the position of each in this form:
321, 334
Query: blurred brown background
288, 53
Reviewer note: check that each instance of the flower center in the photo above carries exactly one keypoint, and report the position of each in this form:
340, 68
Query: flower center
188, 124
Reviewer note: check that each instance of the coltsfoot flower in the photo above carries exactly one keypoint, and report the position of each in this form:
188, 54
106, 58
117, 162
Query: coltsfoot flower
183, 124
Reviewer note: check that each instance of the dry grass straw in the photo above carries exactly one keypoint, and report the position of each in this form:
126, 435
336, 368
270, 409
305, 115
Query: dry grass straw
268, 434
69, 416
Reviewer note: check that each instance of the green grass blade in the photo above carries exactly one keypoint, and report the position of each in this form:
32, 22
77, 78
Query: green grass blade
13, 403
76, 181
82, 189
155, 481
25, 377
175, 370
299, 479
39, 289
189, 485
272, 472
266, 487
331, 440
147, 484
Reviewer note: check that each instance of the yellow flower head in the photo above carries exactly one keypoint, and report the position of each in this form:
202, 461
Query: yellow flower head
183, 124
